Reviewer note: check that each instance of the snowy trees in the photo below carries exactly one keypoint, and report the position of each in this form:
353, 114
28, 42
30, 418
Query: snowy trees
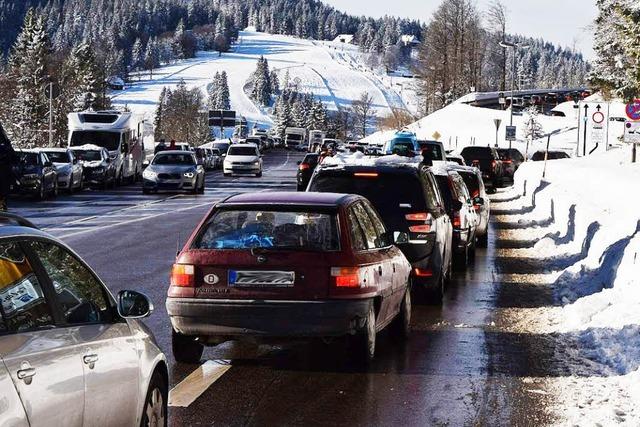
532, 128
158, 120
261, 83
293, 109
178, 114
363, 113
219, 93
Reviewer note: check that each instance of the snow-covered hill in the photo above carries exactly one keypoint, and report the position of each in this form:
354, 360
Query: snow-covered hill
330, 71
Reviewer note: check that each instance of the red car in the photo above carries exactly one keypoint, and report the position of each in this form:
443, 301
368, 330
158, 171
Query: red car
288, 265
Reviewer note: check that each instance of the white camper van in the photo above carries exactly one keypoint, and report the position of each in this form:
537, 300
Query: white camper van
117, 131
295, 138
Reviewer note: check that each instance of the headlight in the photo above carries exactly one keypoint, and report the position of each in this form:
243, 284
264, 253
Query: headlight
256, 163
148, 174
189, 174
31, 176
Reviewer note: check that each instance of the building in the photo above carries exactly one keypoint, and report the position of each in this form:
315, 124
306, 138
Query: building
344, 38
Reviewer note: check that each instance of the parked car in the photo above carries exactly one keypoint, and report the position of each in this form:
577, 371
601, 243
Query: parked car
243, 159
175, 171
201, 158
553, 155
511, 159
255, 140
459, 207
223, 147
432, 150
288, 265
36, 174
472, 178
70, 353
305, 170
455, 158
216, 157
98, 168
407, 197
403, 143
488, 161
69, 169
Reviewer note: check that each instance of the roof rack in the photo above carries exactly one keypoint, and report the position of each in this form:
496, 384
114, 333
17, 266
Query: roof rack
17, 219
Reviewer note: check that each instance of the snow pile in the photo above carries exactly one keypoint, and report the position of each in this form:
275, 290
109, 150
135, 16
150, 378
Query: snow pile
586, 229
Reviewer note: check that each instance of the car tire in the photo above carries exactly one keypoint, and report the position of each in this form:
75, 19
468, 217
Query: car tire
145, 191
226, 174
201, 189
259, 174
365, 341
462, 259
185, 348
472, 249
154, 412
483, 241
70, 190
401, 326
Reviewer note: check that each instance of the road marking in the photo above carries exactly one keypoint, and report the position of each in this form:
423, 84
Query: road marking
198, 381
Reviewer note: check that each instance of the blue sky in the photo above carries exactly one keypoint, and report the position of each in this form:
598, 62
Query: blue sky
563, 22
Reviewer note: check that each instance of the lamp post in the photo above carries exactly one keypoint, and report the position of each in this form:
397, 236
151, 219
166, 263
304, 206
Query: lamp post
505, 44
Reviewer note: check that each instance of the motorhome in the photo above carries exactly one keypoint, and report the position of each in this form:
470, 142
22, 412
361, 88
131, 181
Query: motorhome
315, 140
119, 132
295, 138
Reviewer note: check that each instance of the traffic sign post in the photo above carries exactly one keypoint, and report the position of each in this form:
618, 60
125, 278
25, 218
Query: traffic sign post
497, 123
510, 134
222, 119
632, 136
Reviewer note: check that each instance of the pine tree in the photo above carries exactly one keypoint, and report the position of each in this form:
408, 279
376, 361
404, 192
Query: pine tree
158, 121
532, 128
137, 56
213, 90
223, 94
261, 92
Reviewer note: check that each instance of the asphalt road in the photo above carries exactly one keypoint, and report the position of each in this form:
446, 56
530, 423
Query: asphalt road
461, 366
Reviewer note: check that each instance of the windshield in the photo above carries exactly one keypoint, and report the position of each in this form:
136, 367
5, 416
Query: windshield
88, 155
242, 151
108, 140
290, 230
432, 151
294, 137
471, 180
215, 152
174, 159
58, 156
30, 159
477, 153
222, 146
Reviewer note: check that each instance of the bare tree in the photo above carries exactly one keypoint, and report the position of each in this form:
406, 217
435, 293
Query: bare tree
497, 20
363, 112
398, 119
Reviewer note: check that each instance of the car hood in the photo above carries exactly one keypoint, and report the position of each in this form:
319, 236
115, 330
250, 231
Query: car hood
231, 158
62, 165
171, 168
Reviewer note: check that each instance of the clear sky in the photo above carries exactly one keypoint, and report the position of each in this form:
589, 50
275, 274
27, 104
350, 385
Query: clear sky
563, 22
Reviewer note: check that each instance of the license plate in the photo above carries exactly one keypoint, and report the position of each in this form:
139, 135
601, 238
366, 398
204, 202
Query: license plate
280, 279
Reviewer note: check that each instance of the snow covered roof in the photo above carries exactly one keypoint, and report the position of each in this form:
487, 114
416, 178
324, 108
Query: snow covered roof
408, 39
344, 38
87, 147
359, 159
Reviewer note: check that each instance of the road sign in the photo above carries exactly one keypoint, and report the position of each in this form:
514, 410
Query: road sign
633, 110
598, 118
510, 133
52, 90
436, 135
632, 132
222, 118
497, 123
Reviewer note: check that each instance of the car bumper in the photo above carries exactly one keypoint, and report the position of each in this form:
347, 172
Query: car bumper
268, 318
170, 184
26, 187
64, 181
239, 170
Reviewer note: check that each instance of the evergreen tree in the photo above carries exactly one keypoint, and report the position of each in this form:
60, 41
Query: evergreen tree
158, 121
261, 92
137, 56
223, 94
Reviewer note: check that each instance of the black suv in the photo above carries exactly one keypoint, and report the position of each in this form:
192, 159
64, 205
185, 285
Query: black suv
305, 170
511, 158
407, 197
459, 207
488, 161
481, 203
36, 174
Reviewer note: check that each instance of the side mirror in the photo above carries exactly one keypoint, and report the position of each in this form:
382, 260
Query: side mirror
134, 305
125, 148
400, 237
478, 201
145, 164
108, 160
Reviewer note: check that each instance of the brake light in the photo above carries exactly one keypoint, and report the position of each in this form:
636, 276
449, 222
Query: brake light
456, 220
422, 216
508, 162
303, 166
346, 277
366, 174
183, 275
420, 228
420, 272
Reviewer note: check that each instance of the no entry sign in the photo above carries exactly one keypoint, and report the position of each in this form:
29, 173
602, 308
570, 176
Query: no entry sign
633, 110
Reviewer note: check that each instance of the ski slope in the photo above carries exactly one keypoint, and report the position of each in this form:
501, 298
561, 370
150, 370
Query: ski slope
314, 66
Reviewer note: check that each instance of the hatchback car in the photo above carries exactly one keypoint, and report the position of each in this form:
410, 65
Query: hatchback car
407, 197
511, 159
243, 159
305, 170
69, 169
36, 174
98, 168
481, 203
174, 171
488, 161
459, 206
288, 265
70, 353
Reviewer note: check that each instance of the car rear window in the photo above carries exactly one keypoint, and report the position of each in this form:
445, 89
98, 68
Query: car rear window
28, 158
311, 159
173, 159
477, 153
471, 181
270, 229
242, 151
432, 151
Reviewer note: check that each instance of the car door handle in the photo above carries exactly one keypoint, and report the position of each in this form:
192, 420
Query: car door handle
90, 359
26, 373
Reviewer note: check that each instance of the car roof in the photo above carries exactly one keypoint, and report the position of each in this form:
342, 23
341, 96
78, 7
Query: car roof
54, 149
289, 198
160, 153
245, 145
27, 150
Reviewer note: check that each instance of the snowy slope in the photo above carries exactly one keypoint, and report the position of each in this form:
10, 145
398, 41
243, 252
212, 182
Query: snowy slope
310, 64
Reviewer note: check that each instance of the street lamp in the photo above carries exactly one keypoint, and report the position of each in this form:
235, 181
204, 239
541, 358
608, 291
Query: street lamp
505, 44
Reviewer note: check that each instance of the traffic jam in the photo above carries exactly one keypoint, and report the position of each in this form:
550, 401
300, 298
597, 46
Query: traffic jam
372, 232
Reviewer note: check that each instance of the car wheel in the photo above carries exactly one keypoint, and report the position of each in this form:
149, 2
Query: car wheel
145, 191
462, 259
201, 190
226, 174
483, 241
365, 341
259, 174
472, 249
401, 326
154, 413
70, 190
185, 348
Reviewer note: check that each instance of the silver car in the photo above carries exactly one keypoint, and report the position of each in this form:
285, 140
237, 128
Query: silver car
70, 353
69, 169
174, 170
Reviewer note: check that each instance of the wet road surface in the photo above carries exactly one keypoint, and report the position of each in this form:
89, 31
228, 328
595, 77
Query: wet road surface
463, 364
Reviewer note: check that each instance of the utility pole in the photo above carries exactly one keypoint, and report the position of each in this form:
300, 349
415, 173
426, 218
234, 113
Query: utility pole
50, 114
515, 46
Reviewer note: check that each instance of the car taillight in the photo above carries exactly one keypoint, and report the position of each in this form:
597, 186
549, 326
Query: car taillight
420, 228
422, 216
183, 275
476, 193
303, 166
421, 272
508, 162
365, 174
456, 220
346, 277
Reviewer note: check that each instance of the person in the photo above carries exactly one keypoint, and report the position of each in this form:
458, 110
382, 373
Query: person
172, 144
160, 147
8, 159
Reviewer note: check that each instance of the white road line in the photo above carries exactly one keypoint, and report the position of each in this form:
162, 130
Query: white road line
198, 381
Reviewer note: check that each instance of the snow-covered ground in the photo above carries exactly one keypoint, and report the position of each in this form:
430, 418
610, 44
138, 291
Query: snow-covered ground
317, 67
585, 229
